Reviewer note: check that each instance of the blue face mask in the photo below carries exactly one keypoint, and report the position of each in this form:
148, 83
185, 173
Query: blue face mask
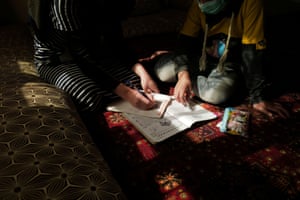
212, 7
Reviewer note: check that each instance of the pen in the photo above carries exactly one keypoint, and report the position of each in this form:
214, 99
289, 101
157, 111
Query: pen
142, 92
189, 105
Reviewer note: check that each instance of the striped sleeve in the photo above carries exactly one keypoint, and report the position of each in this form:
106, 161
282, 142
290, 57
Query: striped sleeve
65, 14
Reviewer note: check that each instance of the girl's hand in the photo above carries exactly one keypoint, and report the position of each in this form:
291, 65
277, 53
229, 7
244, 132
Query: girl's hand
134, 97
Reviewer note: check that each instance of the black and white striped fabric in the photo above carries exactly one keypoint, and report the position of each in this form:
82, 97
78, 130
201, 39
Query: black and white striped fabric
63, 58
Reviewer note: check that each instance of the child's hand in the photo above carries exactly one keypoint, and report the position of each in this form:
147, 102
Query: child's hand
183, 88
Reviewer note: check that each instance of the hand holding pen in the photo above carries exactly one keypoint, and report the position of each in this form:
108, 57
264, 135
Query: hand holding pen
148, 95
138, 97
144, 100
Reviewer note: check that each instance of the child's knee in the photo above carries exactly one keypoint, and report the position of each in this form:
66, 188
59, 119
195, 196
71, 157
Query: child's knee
214, 96
166, 72
215, 90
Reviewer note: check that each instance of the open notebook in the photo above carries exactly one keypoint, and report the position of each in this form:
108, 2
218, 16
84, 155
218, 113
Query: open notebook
176, 118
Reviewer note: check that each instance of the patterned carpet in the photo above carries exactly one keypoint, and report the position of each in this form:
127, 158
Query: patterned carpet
204, 163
